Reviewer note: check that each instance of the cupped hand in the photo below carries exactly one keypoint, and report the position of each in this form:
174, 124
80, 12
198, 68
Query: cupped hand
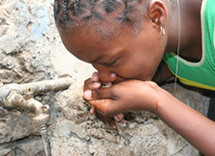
125, 96
93, 84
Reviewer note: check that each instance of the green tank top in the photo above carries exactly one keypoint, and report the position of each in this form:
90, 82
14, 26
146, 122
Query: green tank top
199, 74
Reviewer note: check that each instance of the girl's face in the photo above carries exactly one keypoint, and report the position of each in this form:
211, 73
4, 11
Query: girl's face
122, 57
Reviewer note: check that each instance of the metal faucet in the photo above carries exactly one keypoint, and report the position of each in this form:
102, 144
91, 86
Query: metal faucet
22, 96
27, 102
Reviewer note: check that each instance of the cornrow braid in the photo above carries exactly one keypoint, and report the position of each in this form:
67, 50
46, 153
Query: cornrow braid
70, 13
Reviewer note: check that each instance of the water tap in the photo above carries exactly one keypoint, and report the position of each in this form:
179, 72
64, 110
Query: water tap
22, 96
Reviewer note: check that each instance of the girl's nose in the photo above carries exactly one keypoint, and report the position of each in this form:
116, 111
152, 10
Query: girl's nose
105, 74
107, 77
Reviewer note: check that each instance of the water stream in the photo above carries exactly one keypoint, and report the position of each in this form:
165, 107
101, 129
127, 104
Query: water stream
45, 139
45, 144
123, 141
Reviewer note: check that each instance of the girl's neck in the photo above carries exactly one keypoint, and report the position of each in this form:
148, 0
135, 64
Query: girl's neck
190, 46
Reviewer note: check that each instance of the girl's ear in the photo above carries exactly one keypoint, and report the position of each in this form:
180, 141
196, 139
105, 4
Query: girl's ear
157, 13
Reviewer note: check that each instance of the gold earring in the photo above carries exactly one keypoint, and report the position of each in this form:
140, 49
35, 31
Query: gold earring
162, 31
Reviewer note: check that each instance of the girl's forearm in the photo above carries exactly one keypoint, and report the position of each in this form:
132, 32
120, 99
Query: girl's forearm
192, 125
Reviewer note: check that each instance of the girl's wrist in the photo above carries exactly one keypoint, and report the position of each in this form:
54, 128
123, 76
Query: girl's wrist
156, 100
163, 99
151, 99
159, 99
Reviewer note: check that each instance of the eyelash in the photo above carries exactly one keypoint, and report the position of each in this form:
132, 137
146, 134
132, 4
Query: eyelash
110, 64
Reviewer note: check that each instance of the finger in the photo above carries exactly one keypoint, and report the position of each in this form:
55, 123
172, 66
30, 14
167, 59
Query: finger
119, 117
91, 94
103, 93
93, 85
89, 84
86, 82
100, 105
88, 95
92, 109
95, 76
105, 106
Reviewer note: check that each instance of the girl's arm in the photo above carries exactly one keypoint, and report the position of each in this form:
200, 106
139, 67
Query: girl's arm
192, 125
146, 95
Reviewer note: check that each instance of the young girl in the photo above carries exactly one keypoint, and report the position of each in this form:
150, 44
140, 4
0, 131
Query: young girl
125, 40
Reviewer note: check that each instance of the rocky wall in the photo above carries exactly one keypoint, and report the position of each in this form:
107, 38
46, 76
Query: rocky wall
31, 50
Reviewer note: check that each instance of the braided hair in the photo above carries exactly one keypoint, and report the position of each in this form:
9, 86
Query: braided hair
71, 13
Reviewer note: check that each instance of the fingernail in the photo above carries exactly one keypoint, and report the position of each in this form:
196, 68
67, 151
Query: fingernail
88, 94
91, 111
97, 84
94, 77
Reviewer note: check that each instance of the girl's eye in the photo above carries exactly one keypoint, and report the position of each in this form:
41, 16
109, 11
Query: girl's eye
111, 63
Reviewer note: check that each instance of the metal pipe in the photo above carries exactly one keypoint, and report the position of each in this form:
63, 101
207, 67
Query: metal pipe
34, 88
